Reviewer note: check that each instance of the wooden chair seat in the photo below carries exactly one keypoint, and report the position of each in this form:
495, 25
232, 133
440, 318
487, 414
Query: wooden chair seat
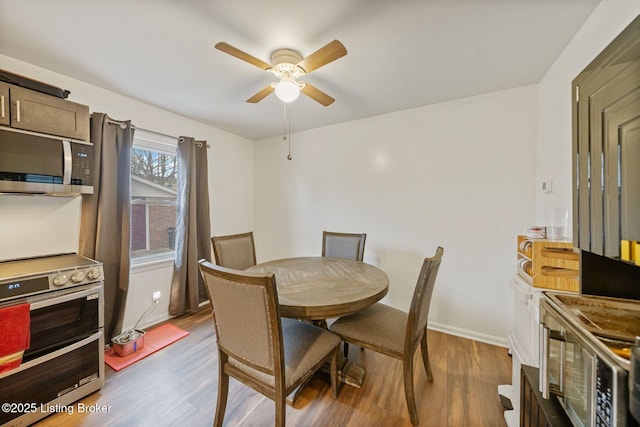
375, 327
304, 346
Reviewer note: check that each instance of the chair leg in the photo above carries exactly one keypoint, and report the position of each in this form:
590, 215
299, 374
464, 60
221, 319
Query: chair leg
425, 357
281, 408
334, 373
408, 388
223, 391
346, 349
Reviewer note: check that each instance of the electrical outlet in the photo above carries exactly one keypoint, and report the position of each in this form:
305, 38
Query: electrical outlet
156, 296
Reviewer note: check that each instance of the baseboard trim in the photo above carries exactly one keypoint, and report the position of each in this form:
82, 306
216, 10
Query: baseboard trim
465, 333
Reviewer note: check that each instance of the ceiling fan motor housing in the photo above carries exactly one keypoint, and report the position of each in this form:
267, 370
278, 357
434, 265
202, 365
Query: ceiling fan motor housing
285, 60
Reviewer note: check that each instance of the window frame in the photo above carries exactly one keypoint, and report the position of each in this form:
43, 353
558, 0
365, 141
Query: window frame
152, 141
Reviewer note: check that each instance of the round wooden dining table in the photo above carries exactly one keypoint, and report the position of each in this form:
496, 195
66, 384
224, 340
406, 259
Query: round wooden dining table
320, 288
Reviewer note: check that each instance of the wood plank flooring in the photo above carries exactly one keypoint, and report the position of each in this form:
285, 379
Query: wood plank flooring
178, 386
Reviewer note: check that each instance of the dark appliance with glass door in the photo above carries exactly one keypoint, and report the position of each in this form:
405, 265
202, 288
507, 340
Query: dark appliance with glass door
65, 359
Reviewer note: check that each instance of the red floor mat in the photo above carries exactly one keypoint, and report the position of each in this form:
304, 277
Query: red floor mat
155, 339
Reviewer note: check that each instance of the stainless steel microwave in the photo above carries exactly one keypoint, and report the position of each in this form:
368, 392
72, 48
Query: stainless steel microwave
589, 379
44, 164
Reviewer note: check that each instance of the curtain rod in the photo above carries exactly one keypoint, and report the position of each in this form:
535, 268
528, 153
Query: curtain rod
123, 125
119, 123
198, 143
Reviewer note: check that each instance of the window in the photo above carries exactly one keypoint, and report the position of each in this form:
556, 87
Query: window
153, 196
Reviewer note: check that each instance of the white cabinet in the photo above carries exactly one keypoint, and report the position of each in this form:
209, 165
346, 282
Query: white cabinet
524, 341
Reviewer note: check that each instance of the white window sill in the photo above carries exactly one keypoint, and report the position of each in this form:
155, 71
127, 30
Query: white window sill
151, 262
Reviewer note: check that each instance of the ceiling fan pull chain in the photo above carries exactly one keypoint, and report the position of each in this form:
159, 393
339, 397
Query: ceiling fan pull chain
284, 121
288, 109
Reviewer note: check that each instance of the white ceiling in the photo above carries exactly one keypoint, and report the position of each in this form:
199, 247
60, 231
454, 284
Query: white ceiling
401, 54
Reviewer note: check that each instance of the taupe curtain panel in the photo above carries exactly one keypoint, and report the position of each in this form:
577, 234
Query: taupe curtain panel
104, 229
193, 230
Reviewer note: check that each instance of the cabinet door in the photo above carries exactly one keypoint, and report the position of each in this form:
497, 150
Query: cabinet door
4, 104
609, 112
606, 157
39, 112
621, 141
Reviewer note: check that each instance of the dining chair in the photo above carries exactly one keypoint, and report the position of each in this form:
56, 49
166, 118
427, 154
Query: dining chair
235, 251
343, 245
257, 347
394, 332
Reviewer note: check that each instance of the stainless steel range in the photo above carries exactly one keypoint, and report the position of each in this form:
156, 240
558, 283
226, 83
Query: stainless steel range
586, 345
32, 276
65, 357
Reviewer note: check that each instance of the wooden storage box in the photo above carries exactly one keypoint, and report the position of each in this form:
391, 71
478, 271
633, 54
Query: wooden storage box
549, 264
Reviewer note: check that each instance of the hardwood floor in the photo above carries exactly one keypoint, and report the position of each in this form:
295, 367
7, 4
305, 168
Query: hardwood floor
177, 386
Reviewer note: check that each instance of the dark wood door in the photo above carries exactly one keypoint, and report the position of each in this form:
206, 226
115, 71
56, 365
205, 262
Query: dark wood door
535, 411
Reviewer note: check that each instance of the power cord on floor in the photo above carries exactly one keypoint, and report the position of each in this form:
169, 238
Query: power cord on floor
132, 334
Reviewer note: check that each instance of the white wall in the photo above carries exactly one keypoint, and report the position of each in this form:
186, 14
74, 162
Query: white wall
458, 174
554, 146
39, 225
26, 225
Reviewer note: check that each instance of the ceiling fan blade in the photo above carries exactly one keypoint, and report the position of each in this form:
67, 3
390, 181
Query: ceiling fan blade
317, 95
227, 48
326, 54
260, 95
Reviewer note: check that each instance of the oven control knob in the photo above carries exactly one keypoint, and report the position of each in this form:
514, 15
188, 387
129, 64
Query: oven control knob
94, 274
77, 277
60, 280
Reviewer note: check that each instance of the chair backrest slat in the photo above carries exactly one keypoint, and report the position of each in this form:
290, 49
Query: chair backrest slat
235, 251
246, 315
343, 245
421, 300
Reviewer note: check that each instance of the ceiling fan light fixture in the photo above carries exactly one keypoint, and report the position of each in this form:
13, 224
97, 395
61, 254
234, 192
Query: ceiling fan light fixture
288, 65
287, 91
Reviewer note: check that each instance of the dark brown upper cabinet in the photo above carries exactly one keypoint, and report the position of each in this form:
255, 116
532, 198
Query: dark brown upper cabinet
4, 105
38, 112
606, 147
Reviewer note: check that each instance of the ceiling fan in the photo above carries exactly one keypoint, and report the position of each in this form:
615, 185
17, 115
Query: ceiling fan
288, 65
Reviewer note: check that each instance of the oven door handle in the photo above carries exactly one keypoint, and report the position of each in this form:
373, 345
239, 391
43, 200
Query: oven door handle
545, 337
74, 293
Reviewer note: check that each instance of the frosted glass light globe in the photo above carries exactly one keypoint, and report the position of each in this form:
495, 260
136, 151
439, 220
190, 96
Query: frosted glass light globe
287, 91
